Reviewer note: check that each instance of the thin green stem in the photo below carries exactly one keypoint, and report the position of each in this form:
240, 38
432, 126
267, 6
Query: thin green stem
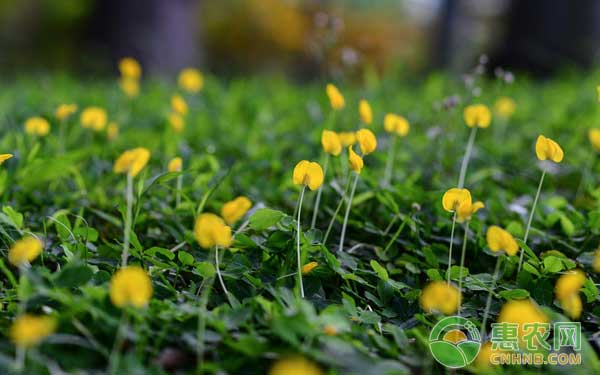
389, 244
219, 271
465, 162
348, 207
127, 229
115, 355
389, 165
337, 210
488, 303
298, 234
319, 192
20, 355
201, 328
178, 191
450, 247
535, 200
462, 261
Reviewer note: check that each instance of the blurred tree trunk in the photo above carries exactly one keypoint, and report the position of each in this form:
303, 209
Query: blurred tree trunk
162, 34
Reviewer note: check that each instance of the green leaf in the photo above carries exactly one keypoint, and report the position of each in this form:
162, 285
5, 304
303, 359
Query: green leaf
73, 276
265, 218
206, 269
381, 272
531, 269
514, 294
185, 258
553, 264
14, 216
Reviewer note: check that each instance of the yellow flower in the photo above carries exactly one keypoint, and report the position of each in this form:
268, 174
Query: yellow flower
483, 359
438, 296
505, 107
65, 110
176, 121
347, 138
521, 312
331, 142
308, 267
132, 161
295, 366
5, 157
454, 197
191, 80
235, 209
130, 286
130, 68
569, 283
546, 148
210, 230
572, 305
93, 118
37, 126
356, 162
366, 114
175, 165
330, 330
112, 130
336, 99
29, 330
25, 250
477, 115
130, 86
594, 136
596, 263
367, 141
500, 240
308, 173
393, 123
467, 209
178, 105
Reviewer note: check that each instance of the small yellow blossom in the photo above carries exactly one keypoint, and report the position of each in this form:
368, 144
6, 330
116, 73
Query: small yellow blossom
5, 157
130, 86
191, 80
178, 105
308, 173
65, 110
477, 115
210, 230
454, 197
295, 366
467, 209
330, 330
393, 123
112, 130
505, 107
546, 148
132, 161
235, 209
356, 162
176, 121
365, 111
130, 68
572, 305
37, 126
336, 99
439, 296
483, 359
331, 143
521, 312
367, 141
309, 267
567, 290
29, 330
594, 137
25, 250
94, 118
175, 164
347, 138
499, 239
130, 286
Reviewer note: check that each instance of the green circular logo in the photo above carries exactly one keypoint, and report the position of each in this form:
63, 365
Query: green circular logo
454, 342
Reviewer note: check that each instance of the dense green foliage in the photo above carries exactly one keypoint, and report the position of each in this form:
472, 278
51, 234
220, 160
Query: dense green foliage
244, 137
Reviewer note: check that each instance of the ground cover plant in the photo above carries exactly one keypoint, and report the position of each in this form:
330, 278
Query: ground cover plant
252, 226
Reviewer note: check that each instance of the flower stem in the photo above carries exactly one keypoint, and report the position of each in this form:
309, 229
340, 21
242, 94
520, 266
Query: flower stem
465, 161
337, 210
126, 234
318, 198
462, 261
450, 247
206, 288
488, 303
219, 271
298, 234
389, 165
535, 200
348, 207
178, 191
387, 247
115, 355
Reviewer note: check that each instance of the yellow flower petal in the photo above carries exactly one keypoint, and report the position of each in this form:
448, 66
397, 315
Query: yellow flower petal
191, 80
366, 114
175, 165
210, 230
25, 250
336, 99
477, 115
453, 198
130, 286
331, 143
309, 174
546, 148
132, 161
356, 162
235, 209
367, 141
